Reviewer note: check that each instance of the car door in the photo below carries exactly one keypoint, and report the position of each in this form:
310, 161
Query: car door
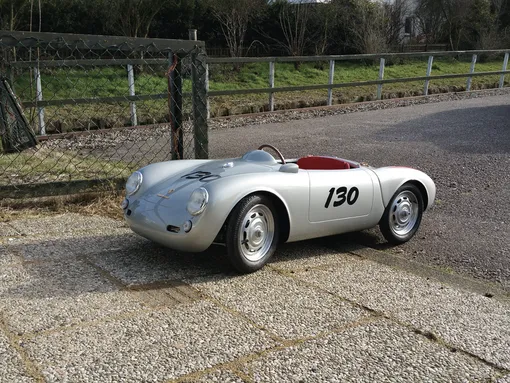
340, 194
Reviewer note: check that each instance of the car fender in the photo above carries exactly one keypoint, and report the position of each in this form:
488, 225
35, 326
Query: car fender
393, 177
291, 189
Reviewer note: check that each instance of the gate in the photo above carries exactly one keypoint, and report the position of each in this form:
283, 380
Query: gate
99, 107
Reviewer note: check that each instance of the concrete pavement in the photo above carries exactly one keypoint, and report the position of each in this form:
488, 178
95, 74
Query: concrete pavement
84, 299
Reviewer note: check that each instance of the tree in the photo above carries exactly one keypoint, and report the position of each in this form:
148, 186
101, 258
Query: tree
431, 20
132, 18
12, 12
234, 17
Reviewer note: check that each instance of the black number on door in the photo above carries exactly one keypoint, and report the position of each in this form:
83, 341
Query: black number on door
342, 195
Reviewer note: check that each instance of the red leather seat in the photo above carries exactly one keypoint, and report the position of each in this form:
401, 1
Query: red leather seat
322, 163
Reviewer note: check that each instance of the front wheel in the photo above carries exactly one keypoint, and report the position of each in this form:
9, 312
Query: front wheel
402, 216
252, 233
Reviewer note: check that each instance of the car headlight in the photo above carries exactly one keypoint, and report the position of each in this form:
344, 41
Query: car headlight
197, 201
133, 183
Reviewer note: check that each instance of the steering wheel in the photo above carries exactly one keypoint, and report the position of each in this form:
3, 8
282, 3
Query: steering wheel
275, 150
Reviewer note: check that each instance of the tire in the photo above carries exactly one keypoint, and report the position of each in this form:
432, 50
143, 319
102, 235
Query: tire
252, 233
402, 216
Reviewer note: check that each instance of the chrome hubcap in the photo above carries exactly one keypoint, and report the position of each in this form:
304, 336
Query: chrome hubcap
404, 213
256, 233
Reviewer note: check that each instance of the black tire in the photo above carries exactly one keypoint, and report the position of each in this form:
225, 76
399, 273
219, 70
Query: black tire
402, 216
252, 238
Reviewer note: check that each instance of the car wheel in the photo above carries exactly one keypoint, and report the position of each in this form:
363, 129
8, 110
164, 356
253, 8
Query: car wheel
252, 233
402, 216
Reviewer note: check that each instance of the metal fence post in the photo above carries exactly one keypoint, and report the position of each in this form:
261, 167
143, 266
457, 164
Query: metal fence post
505, 65
271, 85
39, 97
381, 77
131, 85
471, 71
200, 95
207, 89
330, 81
429, 71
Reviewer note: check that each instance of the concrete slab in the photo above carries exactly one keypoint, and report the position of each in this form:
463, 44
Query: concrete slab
58, 247
154, 346
219, 376
469, 321
7, 257
281, 305
6, 230
15, 242
313, 253
376, 352
152, 263
65, 223
12, 368
37, 297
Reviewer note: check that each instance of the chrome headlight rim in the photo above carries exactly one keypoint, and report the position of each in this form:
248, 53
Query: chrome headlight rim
203, 204
137, 183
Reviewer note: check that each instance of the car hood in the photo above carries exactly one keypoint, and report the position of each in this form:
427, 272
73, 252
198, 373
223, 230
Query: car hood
212, 171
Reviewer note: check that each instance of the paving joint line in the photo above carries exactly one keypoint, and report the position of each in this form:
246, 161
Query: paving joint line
430, 336
238, 362
14, 340
423, 270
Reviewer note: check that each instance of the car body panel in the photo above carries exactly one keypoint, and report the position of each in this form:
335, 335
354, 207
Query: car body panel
340, 194
393, 177
158, 210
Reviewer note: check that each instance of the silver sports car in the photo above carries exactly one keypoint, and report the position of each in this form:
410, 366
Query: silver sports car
252, 203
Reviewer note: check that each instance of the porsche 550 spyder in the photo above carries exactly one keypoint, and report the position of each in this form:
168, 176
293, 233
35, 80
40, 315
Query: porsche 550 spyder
252, 203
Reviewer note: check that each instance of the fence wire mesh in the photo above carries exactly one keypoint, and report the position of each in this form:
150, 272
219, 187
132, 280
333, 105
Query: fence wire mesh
99, 107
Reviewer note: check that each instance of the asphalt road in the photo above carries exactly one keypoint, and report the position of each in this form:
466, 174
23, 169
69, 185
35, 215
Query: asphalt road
463, 145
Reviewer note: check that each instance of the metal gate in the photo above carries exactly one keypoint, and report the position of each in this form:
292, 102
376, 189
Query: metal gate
100, 107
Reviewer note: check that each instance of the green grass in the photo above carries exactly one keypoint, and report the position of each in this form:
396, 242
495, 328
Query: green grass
112, 82
46, 165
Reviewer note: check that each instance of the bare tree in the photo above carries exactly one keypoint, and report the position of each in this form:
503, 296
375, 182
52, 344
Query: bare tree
11, 12
132, 17
234, 17
395, 14
431, 20
370, 29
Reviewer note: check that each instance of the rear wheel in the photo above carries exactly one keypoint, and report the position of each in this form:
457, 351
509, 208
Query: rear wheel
252, 233
402, 216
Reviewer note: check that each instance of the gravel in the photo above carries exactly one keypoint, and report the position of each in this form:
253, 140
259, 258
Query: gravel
151, 347
281, 305
51, 295
11, 364
377, 352
426, 305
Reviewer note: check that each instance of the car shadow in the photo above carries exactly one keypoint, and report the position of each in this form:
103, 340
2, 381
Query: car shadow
70, 267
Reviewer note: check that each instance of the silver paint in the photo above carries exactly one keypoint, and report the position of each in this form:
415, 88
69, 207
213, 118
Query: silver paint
162, 198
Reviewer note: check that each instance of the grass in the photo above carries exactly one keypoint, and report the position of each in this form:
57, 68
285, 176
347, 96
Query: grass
106, 204
47, 165
96, 82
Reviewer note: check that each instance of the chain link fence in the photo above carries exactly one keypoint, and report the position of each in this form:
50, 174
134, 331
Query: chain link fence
79, 111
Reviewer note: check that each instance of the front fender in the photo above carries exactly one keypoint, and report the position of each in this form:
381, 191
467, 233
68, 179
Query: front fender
393, 177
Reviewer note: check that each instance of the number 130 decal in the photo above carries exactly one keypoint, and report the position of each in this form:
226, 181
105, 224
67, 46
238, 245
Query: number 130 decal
342, 195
